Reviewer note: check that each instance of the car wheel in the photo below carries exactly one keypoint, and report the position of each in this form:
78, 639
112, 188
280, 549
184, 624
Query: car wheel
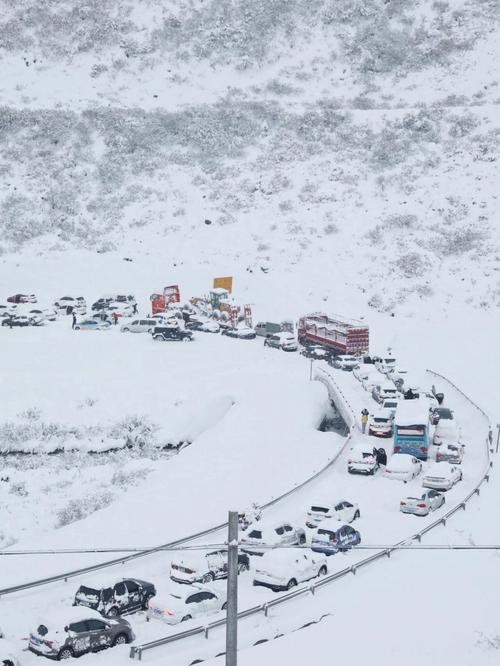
208, 577
357, 514
186, 339
65, 653
113, 612
323, 571
150, 330
291, 583
302, 539
77, 328
242, 566
157, 337
186, 618
121, 639
224, 606
127, 330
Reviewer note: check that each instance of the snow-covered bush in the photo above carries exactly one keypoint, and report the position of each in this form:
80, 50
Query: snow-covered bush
412, 265
77, 509
137, 431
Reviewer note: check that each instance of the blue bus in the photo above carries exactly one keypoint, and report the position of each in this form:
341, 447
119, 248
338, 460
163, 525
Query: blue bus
411, 428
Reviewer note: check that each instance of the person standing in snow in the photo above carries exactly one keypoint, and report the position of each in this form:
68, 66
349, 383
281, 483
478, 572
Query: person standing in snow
364, 419
115, 317
74, 321
135, 309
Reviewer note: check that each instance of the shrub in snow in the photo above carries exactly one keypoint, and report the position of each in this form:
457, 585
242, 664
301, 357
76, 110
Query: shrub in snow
330, 229
18, 488
135, 430
77, 509
412, 264
123, 478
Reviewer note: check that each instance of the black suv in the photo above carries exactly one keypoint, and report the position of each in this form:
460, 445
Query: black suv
125, 596
171, 333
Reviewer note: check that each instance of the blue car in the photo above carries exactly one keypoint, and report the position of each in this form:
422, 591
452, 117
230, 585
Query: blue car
91, 325
332, 537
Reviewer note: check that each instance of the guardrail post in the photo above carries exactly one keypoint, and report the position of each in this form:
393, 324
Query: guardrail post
312, 589
353, 569
388, 553
265, 608
477, 491
487, 477
206, 632
463, 505
443, 521
418, 537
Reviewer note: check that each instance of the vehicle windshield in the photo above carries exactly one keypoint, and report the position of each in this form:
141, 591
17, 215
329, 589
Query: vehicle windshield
319, 509
381, 419
255, 534
411, 430
328, 533
88, 591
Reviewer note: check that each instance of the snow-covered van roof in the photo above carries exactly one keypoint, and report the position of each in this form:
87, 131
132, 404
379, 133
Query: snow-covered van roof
412, 412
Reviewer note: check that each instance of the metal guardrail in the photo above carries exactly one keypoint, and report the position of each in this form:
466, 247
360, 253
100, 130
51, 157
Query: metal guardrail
137, 650
184, 540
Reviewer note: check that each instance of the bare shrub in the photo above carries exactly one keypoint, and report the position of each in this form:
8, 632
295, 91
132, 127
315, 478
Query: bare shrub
77, 509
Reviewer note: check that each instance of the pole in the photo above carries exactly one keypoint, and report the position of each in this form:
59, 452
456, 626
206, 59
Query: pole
498, 437
311, 370
232, 591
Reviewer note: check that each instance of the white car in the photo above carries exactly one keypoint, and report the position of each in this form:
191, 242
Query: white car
381, 392
403, 467
281, 534
380, 424
397, 375
370, 380
340, 510
441, 476
390, 406
68, 305
285, 341
422, 506
446, 432
285, 568
385, 365
345, 362
362, 460
452, 453
185, 603
8, 653
362, 370
36, 317
139, 326
121, 309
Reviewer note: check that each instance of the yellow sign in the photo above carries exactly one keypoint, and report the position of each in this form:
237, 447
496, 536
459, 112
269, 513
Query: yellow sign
224, 283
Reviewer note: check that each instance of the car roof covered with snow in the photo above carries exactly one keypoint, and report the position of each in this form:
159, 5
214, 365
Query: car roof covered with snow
58, 618
412, 412
439, 469
400, 462
285, 556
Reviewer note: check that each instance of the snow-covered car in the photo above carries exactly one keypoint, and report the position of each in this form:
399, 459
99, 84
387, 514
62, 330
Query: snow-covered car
8, 653
281, 534
362, 460
205, 568
446, 432
49, 314
381, 392
249, 515
241, 333
345, 362
385, 364
204, 325
380, 424
422, 506
403, 467
92, 325
116, 596
185, 603
316, 352
71, 632
16, 320
441, 414
390, 406
339, 510
370, 380
441, 476
397, 375
362, 370
36, 318
69, 305
22, 298
139, 326
329, 538
452, 453
120, 309
284, 341
285, 568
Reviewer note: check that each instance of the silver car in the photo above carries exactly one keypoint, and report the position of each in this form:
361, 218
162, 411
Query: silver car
256, 541
422, 506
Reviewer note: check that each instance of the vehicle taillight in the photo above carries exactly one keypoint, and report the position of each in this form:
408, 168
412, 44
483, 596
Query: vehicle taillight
421, 505
403, 503
423, 449
167, 611
349, 461
397, 449
49, 643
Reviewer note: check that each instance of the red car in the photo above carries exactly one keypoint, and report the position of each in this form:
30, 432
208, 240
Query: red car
22, 298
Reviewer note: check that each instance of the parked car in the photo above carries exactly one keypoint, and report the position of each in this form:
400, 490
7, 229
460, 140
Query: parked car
330, 538
389, 406
120, 309
403, 467
380, 424
139, 326
442, 476
8, 653
446, 432
126, 595
345, 362
71, 632
362, 460
16, 320
343, 510
49, 314
284, 341
281, 534
381, 392
171, 333
370, 380
205, 325
422, 506
441, 413
36, 318
241, 333
22, 298
266, 328
285, 568
362, 370
385, 364
316, 352
92, 325
186, 603
398, 376
451, 453
69, 305
205, 569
